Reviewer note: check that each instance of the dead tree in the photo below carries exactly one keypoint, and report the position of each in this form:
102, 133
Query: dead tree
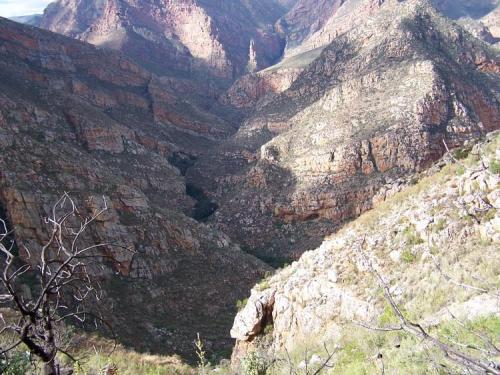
473, 364
65, 289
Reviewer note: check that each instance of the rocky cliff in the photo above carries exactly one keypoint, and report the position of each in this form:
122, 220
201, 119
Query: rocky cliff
375, 106
434, 244
91, 123
177, 37
309, 26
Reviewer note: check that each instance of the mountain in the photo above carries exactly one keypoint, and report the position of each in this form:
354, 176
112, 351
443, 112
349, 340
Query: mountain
231, 137
89, 122
33, 20
370, 109
313, 24
481, 18
437, 260
177, 37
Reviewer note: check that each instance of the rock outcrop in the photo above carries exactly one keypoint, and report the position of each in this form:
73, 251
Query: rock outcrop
434, 244
377, 105
91, 123
190, 37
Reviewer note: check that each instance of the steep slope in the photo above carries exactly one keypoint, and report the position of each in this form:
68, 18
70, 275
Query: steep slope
91, 123
436, 246
188, 37
374, 107
331, 18
481, 18
312, 24
305, 18
308, 28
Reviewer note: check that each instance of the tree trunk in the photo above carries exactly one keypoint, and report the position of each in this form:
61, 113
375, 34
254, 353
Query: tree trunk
51, 368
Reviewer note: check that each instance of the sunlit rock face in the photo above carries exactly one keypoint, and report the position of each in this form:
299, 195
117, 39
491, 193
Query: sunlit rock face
373, 107
189, 36
332, 291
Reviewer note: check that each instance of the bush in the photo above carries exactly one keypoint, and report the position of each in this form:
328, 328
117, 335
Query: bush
241, 303
461, 153
17, 364
408, 256
411, 237
254, 364
495, 167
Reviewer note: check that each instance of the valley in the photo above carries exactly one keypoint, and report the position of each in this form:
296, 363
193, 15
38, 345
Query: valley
229, 139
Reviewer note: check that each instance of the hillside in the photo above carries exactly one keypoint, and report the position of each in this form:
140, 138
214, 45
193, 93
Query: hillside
374, 107
91, 123
436, 246
227, 140
181, 38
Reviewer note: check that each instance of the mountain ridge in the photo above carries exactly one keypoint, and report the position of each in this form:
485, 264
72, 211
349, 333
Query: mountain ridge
230, 140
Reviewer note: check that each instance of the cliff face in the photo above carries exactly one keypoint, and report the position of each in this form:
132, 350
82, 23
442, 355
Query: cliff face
433, 244
91, 123
309, 26
187, 36
313, 24
373, 108
305, 18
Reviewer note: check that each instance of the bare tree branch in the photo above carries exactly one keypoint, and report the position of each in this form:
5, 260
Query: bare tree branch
415, 329
67, 288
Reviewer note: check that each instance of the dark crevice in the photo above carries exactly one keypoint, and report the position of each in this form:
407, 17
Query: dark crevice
204, 207
182, 161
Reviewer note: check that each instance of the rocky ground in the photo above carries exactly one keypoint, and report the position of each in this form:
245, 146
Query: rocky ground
436, 246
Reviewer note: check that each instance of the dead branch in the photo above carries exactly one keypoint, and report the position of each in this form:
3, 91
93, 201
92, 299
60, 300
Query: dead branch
67, 289
459, 357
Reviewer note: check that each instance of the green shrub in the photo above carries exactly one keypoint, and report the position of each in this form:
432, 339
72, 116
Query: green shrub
408, 256
254, 364
439, 225
241, 303
268, 329
387, 317
17, 364
495, 166
352, 360
411, 236
461, 153
489, 215
264, 284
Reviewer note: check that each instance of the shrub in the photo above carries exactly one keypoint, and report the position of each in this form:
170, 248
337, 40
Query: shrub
17, 364
495, 167
408, 256
254, 364
439, 225
461, 153
241, 303
411, 237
